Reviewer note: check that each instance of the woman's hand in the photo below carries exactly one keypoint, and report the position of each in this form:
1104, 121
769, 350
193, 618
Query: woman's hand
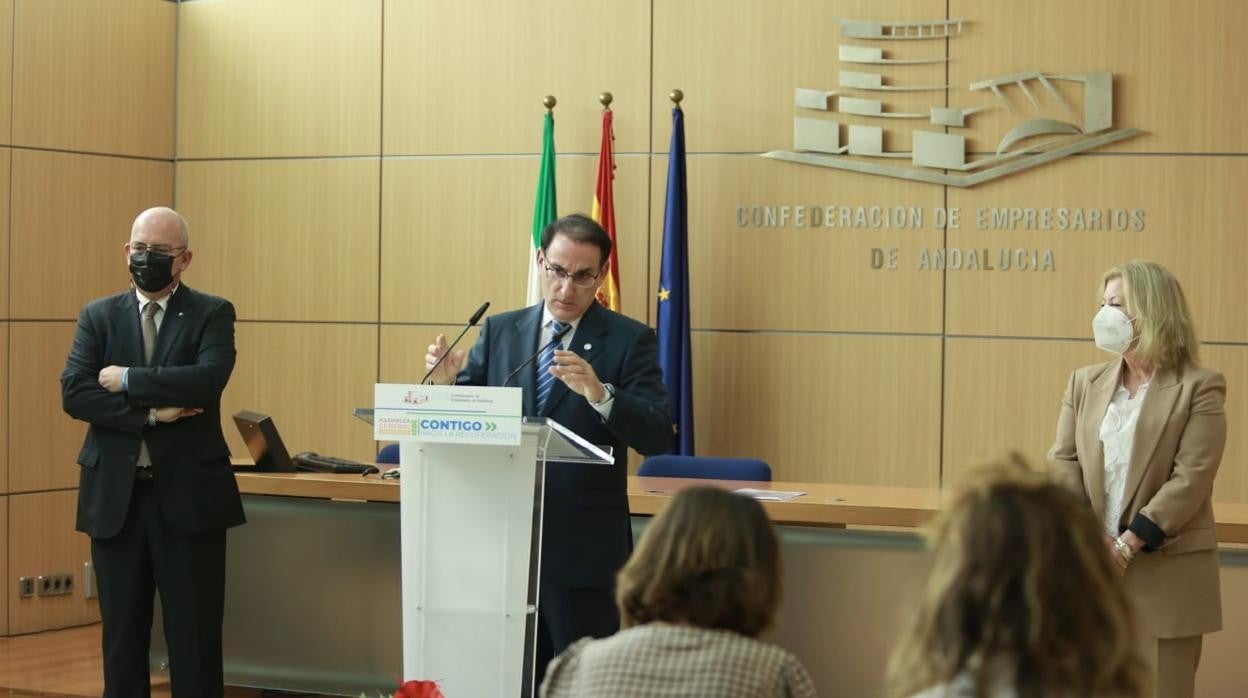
1120, 562
1136, 543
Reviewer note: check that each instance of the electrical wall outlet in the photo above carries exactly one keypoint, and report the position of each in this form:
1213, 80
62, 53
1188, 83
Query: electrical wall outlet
54, 584
25, 587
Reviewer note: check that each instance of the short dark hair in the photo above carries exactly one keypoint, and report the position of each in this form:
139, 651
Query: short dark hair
709, 559
578, 227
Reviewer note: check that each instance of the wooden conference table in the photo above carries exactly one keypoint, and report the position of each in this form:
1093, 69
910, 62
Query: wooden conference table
313, 599
822, 505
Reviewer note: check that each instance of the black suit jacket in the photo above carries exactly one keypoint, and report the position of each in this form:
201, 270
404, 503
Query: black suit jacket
585, 535
191, 365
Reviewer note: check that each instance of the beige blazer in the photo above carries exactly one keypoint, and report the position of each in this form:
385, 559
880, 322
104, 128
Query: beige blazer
1178, 446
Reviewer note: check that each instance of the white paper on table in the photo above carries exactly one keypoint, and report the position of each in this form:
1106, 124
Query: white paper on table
770, 495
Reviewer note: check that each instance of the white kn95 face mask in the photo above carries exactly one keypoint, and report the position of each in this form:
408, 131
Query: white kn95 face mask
1112, 330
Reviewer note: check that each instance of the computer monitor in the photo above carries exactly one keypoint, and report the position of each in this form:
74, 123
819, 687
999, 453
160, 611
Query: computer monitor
263, 442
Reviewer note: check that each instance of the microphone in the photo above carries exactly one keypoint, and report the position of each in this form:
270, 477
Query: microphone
553, 340
471, 321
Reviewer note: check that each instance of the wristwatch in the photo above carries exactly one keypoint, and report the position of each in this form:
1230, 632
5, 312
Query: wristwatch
608, 397
1124, 549
151, 417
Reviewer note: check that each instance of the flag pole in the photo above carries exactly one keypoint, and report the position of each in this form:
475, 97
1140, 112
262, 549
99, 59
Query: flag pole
603, 208
672, 326
545, 206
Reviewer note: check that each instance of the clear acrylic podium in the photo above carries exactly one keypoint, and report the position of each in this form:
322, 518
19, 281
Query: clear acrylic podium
471, 517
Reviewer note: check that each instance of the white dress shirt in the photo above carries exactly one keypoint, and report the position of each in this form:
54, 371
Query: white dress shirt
1117, 437
544, 337
159, 318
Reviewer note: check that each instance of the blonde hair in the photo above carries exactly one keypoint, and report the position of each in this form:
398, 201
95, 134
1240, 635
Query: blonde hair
1167, 337
708, 559
1020, 581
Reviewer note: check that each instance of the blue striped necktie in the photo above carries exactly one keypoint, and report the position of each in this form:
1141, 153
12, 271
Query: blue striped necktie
544, 380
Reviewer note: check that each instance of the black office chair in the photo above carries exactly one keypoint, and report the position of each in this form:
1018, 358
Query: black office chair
389, 454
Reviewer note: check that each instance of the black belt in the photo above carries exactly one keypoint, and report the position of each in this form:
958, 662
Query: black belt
144, 473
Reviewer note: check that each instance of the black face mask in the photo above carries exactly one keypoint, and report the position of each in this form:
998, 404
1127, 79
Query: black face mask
151, 271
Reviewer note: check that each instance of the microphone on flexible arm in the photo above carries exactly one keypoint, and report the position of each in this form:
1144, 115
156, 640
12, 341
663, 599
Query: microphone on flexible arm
471, 321
567, 327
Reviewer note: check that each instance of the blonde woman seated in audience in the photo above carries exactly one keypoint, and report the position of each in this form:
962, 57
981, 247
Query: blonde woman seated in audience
1022, 600
693, 598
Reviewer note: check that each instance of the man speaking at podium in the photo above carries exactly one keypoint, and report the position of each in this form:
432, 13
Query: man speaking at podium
597, 373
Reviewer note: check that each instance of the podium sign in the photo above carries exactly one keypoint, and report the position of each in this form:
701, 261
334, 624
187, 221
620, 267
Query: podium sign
453, 414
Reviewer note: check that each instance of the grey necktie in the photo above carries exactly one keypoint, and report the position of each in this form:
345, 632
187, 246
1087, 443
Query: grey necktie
149, 331
149, 348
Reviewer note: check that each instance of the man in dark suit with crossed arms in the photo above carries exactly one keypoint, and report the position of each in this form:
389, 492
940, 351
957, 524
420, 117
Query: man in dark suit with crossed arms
156, 490
603, 381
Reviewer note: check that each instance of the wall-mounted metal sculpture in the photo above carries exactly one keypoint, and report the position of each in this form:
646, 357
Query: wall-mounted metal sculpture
1036, 140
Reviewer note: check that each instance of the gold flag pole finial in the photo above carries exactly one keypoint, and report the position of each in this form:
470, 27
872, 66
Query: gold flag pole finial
676, 96
605, 100
549, 102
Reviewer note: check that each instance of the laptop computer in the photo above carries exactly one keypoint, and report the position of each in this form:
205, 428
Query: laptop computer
263, 442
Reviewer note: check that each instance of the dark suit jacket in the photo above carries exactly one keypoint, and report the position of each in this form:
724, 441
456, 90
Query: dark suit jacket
1178, 447
585, 536
193, 359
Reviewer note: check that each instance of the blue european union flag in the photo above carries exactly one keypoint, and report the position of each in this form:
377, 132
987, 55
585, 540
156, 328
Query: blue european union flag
673, 330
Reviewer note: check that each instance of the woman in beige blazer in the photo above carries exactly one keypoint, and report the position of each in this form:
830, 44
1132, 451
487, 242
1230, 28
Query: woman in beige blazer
1140, 439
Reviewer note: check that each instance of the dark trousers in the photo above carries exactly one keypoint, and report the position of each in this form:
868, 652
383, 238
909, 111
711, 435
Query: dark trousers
189, 572
567, 614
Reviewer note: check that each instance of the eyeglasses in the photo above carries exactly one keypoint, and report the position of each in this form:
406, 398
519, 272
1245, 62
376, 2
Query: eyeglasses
140, 248
581, 279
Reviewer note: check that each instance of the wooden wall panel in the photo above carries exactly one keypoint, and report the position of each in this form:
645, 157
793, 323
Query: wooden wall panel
798, 278
1005, 395
469, 76
862, 410
5, 584
94, 76
285, 239
6, 71
48, 544
6, 156
272, 78
1231, 484
71, 217
740, 62
1178, 66
43, 440
4, 409
403, 349
308, 378
455, 232
1193, 214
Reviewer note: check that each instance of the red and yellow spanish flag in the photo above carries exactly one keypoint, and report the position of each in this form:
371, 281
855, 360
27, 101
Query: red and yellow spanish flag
604, 212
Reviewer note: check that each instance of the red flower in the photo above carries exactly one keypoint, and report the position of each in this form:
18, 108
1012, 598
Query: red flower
418, 689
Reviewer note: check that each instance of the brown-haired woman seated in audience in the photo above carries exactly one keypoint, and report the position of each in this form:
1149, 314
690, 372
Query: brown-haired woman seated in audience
1022, 600
693, 598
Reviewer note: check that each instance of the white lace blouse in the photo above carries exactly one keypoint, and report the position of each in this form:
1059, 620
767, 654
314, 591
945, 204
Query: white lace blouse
1117, 437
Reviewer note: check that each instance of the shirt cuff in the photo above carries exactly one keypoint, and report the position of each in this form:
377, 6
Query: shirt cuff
125, 379
1149, 532
604, 408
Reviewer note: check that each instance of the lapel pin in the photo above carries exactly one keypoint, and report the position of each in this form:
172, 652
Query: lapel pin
588, 346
